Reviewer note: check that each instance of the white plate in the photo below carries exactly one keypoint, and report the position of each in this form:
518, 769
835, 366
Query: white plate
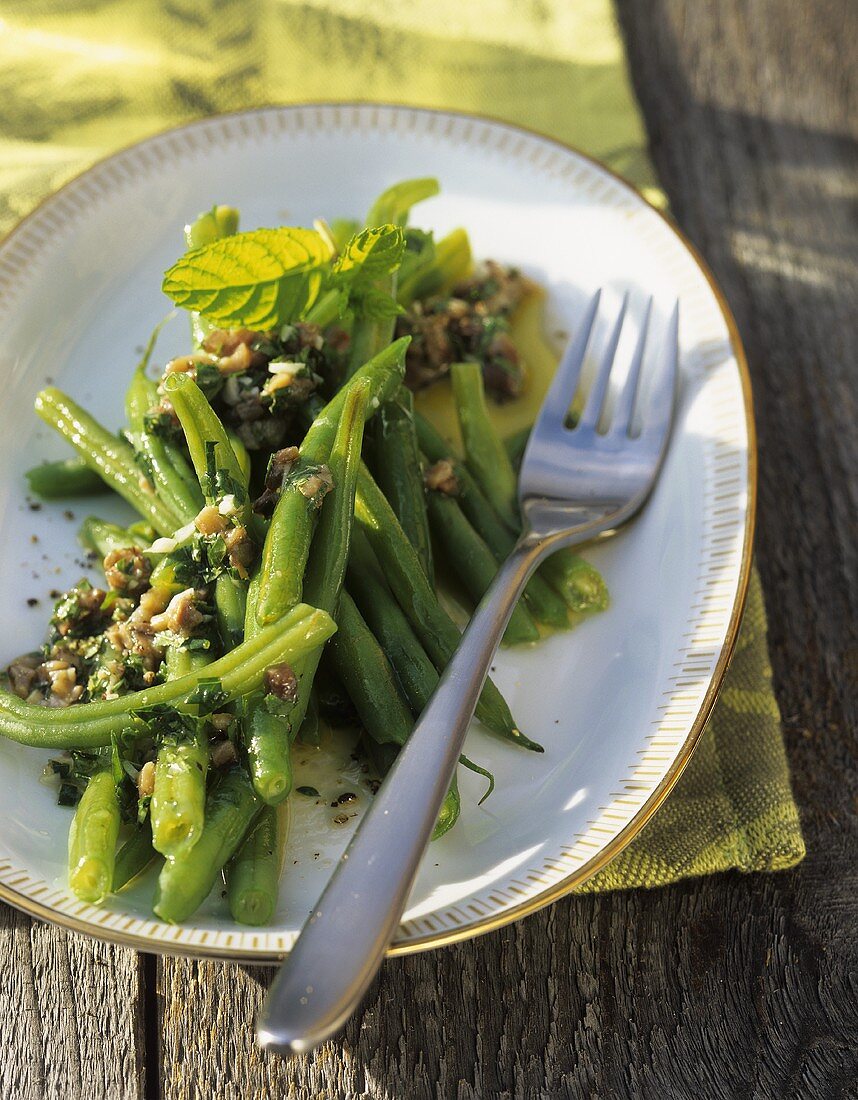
618, 703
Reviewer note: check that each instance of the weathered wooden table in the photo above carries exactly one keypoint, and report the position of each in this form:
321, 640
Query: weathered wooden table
727, 987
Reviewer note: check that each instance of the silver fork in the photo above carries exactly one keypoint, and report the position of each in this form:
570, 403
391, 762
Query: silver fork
576, 484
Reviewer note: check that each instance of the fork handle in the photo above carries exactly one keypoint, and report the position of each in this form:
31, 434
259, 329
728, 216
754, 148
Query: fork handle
341, 946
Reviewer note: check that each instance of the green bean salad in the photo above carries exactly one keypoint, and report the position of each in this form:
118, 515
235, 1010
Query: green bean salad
280, 577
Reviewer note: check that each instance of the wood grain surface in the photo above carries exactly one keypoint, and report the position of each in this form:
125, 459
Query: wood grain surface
727, 987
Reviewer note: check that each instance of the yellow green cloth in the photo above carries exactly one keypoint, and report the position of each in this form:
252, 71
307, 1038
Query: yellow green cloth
80, 78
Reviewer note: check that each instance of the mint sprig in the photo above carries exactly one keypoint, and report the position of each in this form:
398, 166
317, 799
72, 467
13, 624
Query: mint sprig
261, 279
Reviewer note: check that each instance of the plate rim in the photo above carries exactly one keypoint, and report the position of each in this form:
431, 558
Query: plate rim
642, 816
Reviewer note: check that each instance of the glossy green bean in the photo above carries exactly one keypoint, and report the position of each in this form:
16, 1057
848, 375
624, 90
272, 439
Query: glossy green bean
310, 732
240, 672
451, 263
269, 737
580, 583
363, 668
416, 674
102, 537
473, 562
253, 873
383, 756
186, 879
202, 425
171, 475
269, 761
230, 609
211, 225
385, 618
433, 626
287, 545
486, 454
516, 445
68, 477
111, 458
92, 839
134, 856
177, 809
545, 604
400, 475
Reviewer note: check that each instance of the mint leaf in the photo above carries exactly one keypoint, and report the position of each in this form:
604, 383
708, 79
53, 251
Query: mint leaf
370, 255
261, 279
394, 204
375, 305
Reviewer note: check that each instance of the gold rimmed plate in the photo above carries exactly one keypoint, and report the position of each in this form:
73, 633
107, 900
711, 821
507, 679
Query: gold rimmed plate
618, 703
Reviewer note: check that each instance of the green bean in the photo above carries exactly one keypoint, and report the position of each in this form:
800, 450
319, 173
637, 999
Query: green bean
201, 425
134, 856
68, 477
186, 879
240, 672
451, 807
178, 801
110, 457
399, 473
433, 626
326, 309
170, 474
473, 562
544, 603
486, 455
383, 756
361, 664
180, 661
369, 333
241, 453
269, 737
416, 674
230, 609
102, 537
368, 588
92, 839
451, 262
211, 225
579, 582
253, 873
269, 761
309, 733
287, 545
516, 445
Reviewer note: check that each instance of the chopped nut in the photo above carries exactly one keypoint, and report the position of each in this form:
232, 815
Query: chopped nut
146, 779
187, 364
181, 615
22, 672
280, 680
315, 486
223, 753
220, 721
241, 550
236, 363
209, 521
127, 570
441, 477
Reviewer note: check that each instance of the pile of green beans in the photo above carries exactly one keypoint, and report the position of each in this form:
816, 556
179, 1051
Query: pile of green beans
340, 580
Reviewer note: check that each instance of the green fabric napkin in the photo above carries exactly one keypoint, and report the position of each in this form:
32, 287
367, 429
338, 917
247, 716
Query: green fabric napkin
80, 78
